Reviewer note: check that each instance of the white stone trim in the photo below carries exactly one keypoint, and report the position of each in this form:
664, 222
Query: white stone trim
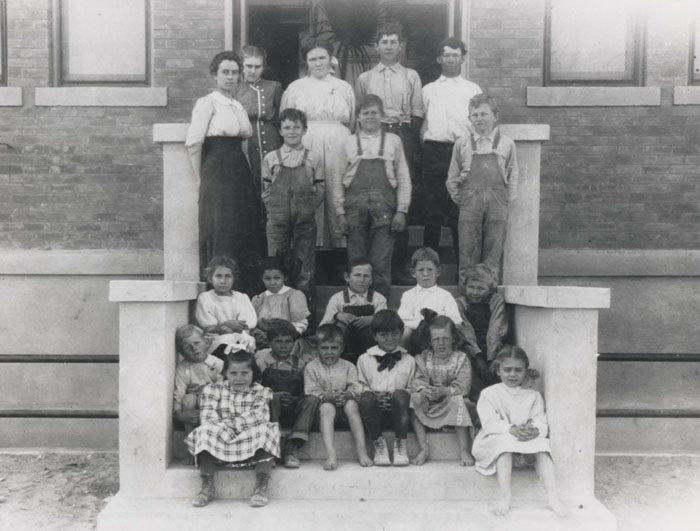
153, 290
593, 96
170, 132
618, 263
81, 262
101, 96
686, 95
10, 96
567, 297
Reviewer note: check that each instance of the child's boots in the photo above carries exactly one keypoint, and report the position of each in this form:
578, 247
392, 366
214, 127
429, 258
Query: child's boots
259, 497
207, 493
291, 459
381, 453
400, 453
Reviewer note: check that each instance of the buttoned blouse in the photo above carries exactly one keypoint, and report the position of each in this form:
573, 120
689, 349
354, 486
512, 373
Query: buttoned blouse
320, 378
261, 100
446, 104
327, 100
434, 298
394, 163
386, 381
399, 88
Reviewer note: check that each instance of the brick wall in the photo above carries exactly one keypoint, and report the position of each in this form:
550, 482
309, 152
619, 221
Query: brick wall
90, 177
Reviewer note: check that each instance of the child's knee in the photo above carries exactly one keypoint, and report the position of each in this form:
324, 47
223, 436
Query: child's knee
190, 402
400, 398
368, 399
351, 407
327, 410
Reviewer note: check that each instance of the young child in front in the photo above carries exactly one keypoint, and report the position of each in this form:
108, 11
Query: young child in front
193, 372
484, 322
278, 301
334, 382
222, 310
372, 199
235, 428
514, 430
483, 182
441, 385
293, 188
425, 268
352, 309
283, 372
385, 373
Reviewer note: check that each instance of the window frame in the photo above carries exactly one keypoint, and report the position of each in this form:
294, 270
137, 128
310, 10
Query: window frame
638, 63
58, 56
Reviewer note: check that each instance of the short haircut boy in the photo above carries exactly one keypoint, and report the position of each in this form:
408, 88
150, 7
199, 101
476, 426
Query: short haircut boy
386, 321
451, 42
369, 100
427, 254
279, 328
293, 115
354, 262
329, 332
391, 28
484, 99
183, 332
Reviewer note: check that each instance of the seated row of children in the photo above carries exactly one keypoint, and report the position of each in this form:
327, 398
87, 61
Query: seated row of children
240, 415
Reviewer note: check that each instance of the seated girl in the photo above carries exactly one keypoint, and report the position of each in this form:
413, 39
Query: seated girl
514, 430
222, 310
441, 385
235, 428
279, 301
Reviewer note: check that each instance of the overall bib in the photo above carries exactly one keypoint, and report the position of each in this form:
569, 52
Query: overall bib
357, 341
370, 205
483, 212
291, 222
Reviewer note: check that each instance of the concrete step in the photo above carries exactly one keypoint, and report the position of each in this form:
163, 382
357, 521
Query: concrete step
443, 446
435, 480
350, 515
647, 435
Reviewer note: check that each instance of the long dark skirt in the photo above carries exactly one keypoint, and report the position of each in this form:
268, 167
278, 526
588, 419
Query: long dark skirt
230, 217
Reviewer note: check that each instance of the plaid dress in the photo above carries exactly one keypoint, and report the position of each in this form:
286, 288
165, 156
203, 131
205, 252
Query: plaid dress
235, 424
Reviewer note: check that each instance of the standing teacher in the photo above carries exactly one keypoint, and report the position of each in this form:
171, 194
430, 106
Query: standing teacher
329, 104
230, 217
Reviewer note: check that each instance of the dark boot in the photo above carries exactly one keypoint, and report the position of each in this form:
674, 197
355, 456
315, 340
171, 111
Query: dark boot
207, 493
259, 497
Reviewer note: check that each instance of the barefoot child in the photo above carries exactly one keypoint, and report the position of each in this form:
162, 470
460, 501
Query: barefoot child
279, 301
222, 310
352, 309
484, 322
196, 370
514, 430
385, 372
442, 381
235, 429
334, 382
283, 372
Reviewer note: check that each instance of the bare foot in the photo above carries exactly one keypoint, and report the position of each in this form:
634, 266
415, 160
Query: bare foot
558, 508
422, 457
330, 464
364, 459
466, 459
501, 507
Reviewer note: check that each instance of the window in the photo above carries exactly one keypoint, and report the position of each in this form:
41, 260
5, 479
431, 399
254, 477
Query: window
103, 43
3, 46
593, 42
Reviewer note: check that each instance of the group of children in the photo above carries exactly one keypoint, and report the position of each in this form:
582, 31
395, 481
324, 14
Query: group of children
368, 368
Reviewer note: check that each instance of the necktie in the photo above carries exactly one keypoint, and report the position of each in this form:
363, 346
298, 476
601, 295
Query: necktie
388, 360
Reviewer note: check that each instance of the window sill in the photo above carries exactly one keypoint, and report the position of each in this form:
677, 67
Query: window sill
593, 96
10, 96
101, 96
686, 95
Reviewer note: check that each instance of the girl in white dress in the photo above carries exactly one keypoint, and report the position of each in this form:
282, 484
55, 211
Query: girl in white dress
329, 104
514, 430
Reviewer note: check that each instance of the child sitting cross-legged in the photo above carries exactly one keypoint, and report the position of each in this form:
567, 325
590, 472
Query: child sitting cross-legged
334, 381
283, 372
425, 268
193, 372
352, 309
441, 385
235, 429
514, 430
385, 372
484, 322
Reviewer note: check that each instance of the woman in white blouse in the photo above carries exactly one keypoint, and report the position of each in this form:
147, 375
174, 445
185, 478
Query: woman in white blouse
230, 217
329, 104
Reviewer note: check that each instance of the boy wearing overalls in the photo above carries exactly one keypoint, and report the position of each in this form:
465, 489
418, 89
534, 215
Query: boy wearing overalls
373, 198
352, 309
283, 372
483, 181
293, 188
